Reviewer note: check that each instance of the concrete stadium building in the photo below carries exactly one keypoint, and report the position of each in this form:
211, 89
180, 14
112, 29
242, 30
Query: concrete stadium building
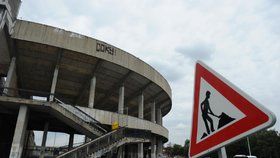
60, 81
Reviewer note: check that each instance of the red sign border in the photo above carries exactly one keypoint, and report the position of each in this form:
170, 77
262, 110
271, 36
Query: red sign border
257, 117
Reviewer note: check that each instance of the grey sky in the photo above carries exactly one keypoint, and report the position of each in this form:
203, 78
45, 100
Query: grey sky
239, 39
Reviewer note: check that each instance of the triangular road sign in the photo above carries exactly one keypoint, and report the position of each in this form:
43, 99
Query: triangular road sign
222, 113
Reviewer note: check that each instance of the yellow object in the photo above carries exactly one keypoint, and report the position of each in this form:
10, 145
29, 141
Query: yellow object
115, 125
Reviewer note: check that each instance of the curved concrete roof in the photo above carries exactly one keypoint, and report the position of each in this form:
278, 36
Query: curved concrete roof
82, 46
49, 35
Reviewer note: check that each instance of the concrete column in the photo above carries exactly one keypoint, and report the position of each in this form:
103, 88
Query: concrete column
153, 112
159, 147
54, 81
87, 139
153, 147
121, 100
131, 151
120, 152
45, 135
2, 10
2, 83
141, 106
11, 80
159, 141
140, 150
92, 92
140, 115
159, 116
19, 134
71, 141
2, 17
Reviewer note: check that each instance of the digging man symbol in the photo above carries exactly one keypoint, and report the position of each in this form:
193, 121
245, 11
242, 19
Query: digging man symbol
206, 110
223, 118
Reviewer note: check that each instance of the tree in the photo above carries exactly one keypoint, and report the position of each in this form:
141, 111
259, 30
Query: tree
176, 149
264, 144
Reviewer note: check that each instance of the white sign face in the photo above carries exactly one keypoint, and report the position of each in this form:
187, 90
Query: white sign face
218, 104
222, 113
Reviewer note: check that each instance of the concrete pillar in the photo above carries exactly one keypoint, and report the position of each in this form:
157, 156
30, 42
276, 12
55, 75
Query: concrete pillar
2, 84
2, 10
87, 139
2, 17
11, 80
121, 100
153, 112
159, 141
140, 115
71, 141
141, 106
45, 135
159, 147
92, 92
120, 152
140, 150
19, 134
159, 116
131, 152
153, 147
54, 81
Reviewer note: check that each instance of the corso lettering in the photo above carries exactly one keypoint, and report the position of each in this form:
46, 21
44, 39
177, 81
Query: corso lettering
105, 48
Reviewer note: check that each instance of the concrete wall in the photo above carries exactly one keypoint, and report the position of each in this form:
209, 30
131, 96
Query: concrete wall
48, 35
8, 13
106, 117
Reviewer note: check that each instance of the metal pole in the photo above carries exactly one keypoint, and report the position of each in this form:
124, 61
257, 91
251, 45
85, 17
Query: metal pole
126, 117
222, 152
249, 148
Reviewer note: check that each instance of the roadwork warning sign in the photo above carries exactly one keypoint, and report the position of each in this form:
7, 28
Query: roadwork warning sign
222, 113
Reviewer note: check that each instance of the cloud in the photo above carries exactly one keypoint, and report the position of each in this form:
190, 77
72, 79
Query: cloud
197, 51
239, 39
181, 126
169, 69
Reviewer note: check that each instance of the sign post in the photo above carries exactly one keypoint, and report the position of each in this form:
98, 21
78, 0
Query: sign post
222, 153
222, 113
249, 148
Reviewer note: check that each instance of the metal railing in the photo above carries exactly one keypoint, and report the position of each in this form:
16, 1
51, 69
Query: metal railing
24, 93
81, 114
84, 150
35, 151
104, 142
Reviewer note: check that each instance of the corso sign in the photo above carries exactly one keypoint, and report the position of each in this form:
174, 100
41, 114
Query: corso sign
100, 47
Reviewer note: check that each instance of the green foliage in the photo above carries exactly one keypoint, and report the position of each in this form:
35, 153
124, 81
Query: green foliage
264, 144
177, 150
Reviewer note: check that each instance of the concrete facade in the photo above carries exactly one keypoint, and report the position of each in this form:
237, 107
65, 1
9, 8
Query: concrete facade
11, 80
44, 140
87, 85
92, 92
68, 40
19, 134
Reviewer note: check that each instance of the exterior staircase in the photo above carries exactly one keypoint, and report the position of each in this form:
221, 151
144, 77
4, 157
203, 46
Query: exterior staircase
102, 142
107, 143
75, 117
